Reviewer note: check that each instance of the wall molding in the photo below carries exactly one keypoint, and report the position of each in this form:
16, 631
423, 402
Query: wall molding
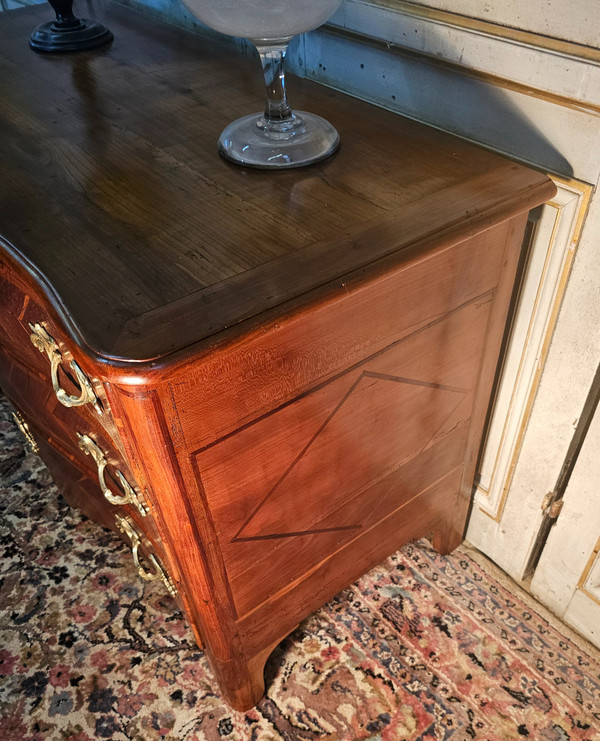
562, 72
489, 78
511, 33
588, 582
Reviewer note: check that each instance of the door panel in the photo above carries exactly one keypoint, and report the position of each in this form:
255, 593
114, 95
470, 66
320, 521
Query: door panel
567, 578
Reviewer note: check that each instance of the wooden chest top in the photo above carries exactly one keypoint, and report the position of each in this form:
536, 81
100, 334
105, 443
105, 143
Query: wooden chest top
113, 194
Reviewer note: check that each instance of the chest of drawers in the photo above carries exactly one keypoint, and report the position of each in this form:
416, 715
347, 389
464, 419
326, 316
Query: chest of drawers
266, 382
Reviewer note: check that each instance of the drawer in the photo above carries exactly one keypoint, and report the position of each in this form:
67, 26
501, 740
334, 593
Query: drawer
17, 309
30, 387
147, 553
83, 492
77, 436
139, 533
71, 381
115, 480
38, 344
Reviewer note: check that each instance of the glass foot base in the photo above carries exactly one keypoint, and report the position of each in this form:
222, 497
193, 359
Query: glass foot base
252, 142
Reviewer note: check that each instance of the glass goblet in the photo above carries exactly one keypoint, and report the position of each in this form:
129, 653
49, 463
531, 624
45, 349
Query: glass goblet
279, 137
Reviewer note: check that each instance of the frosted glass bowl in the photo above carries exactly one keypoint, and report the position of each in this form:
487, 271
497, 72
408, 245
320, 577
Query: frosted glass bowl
278, 137
263, 19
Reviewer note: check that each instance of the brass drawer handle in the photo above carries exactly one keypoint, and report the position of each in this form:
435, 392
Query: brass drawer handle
24, 427
130, 496
127, 527
45, 343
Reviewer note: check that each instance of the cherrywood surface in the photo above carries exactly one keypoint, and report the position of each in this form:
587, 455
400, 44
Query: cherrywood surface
119, 145
294, 368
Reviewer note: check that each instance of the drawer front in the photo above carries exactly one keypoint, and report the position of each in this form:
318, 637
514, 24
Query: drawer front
17, 309
292, 488
140, 535
77, 437
81, 489
30, 391
37, 343
81, 439
117, 487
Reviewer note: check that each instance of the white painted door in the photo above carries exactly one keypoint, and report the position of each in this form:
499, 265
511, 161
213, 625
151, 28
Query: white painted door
548, 370
567, 578
525, 451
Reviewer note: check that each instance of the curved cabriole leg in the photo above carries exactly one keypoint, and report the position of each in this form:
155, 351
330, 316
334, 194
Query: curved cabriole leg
67, 32
242, 682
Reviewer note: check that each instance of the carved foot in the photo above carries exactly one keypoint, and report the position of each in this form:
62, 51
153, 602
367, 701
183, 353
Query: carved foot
243, 682
446, 538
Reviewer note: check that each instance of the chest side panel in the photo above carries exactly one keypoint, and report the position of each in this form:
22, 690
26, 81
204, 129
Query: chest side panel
294, 486
364, 417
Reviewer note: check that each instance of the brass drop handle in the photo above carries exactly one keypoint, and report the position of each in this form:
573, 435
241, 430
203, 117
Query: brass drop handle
127, 527
24, 427
45, 343
130, 495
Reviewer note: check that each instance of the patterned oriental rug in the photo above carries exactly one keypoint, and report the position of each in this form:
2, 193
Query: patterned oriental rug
422, 647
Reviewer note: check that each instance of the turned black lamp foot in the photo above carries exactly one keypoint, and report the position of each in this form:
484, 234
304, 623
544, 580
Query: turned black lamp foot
68, 33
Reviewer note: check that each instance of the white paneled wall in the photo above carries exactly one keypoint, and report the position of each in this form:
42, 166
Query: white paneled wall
575, 20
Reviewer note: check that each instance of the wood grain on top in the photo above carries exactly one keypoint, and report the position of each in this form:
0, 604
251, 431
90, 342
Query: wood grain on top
112, 191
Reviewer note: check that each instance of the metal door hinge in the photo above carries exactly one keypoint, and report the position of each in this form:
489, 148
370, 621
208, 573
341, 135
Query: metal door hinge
555, 509
550, 507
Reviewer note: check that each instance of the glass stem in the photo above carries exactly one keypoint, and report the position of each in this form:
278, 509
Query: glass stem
272, 55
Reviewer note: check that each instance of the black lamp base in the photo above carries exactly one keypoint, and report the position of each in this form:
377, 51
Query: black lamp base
85, 34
